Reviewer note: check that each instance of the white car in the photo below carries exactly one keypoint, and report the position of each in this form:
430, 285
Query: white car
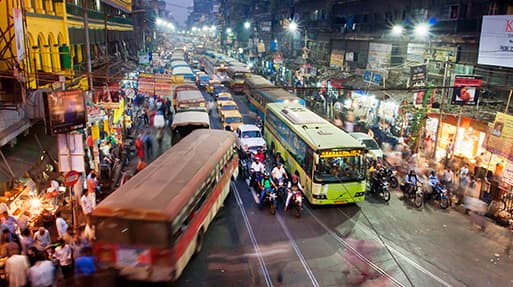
249, 137
372, 146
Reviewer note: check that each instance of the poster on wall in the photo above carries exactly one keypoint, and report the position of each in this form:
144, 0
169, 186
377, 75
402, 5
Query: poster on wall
65, 111
500, 138
337, 58
495, 45
18, 32
379, 58
415, 53
466, 90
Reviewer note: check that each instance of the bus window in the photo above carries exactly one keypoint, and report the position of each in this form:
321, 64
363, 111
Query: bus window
149, 233
113, 230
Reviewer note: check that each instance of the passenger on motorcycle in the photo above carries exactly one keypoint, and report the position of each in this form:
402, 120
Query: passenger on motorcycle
257, 166
260, 154
293, 186
377, 178
266, 185
411, 181
279, 172
433, 180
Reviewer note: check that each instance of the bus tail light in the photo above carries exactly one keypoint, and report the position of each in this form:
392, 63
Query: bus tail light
161, 257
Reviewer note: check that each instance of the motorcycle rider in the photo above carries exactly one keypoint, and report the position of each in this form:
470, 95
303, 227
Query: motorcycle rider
279, 172
266, 185
260, 154
411, 181
257, 168
433, 180
293, 186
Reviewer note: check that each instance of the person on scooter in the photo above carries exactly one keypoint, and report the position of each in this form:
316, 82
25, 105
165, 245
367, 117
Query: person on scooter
433, 180
411, 181
266, 185
260, 154
293, 186
257, 169
278, 173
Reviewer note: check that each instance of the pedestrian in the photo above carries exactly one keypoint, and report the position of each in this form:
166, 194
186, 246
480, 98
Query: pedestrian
10, 222
16, 268
42, 274
32, 254
87, 206
462, 174
26, 241
85, 263
62, 225
148, 144
477, 165
23, 221
64, 256
159, 137
499, 170
139, 146
42, 238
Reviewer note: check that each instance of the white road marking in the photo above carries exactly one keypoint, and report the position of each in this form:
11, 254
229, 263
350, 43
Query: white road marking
405, 257
307, 268
252, 237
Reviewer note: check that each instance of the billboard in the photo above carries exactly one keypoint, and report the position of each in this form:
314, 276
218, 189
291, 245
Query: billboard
337, 58
500, 138
65, 111
466, 90
495, 46
379, 59
418, 75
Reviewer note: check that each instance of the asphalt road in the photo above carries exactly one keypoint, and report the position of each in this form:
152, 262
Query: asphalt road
395, 243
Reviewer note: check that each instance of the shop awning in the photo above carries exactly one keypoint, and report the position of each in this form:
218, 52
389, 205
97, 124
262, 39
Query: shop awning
26, 155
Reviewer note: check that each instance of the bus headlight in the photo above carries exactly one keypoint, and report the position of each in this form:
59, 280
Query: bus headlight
319, 196
358, 194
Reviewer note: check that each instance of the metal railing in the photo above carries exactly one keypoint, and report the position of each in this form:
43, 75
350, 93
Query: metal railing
92, 14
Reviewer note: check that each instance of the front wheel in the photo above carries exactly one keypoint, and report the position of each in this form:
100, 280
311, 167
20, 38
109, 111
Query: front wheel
418, 200
273, 208
298, 210
199, 242
444, 202
386, 195
393, 182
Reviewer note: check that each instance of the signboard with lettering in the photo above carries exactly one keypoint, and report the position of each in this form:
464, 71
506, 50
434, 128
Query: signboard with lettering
339, 153
337, 58
496, 43
466, 90
500, 138
379, 58
418, 75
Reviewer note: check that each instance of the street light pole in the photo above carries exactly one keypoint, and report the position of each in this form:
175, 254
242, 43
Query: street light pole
444, 90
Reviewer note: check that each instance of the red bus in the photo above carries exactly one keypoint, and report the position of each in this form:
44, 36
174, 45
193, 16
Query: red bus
151, 226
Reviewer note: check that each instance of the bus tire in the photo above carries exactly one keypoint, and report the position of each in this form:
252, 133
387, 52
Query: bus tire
199, 242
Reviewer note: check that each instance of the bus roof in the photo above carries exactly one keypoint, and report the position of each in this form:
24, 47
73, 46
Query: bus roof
191, 118
239, 69
164, 187
313, 129
182, 70
189, 95
256, 81
179, 63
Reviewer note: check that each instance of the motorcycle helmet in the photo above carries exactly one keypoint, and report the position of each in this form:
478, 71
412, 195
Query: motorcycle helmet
266, 174
294, 178
433, 173
412, 172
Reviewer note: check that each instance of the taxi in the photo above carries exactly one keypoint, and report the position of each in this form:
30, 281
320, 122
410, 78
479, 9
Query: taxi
232, 118
226, 106
214, 87
223, 97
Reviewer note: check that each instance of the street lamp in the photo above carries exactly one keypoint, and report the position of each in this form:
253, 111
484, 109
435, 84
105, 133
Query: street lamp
229, 30
212, 28
422, 30
247, 25
397, 30
292, 26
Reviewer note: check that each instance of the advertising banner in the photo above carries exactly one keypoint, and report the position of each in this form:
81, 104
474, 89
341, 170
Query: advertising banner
495, 45
466, 90
500, 139
418, 75
337, 58
261, 47
379, 59
18, 32
71, 155
65, 111
415, 52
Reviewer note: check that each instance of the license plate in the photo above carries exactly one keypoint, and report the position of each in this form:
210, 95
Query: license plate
340, 201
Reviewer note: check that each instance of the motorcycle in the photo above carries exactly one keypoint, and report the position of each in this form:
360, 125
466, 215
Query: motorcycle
281, 184
297, 201
416, 193
380, 186
390, 175
441, 194
270, 198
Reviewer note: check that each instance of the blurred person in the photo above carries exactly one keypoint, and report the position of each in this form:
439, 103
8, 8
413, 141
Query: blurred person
462, 174
23, 221
260, 155
64, 256
87, 206
10, 222
278, 173
42, 238
478, 160
85, 263
26, 241
148, 145
411, 181
448, 176
16, 268
499, 170
139, 146
32, 255
42, 273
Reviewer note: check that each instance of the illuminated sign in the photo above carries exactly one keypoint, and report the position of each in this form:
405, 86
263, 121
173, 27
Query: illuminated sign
341, 153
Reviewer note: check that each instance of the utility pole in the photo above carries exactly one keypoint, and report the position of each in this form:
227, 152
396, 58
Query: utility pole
87, 44
444, 91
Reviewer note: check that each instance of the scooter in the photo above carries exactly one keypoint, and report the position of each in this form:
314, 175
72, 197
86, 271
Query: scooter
270, 199
297, 200
390, 175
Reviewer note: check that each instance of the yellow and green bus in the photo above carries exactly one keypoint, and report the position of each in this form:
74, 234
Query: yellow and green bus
330, 163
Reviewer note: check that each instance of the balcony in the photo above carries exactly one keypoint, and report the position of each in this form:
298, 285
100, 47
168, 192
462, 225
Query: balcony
97, 15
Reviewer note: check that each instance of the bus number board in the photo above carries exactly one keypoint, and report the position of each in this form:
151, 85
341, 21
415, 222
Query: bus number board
341, 153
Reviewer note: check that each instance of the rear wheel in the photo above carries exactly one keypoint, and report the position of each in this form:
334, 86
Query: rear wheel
199, 241
444, 203
393, 182
273, 208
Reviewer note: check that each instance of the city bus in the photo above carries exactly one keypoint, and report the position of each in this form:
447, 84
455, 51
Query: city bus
152, 225
216, 68
260, 92
331, 164
238, 75
190, 100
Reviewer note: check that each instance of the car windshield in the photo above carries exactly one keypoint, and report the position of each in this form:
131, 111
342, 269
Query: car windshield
233, 120
229, 108
251, 134
370, 144
224, 98
340, 169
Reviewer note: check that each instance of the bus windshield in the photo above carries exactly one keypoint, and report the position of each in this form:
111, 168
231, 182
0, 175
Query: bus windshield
340, 169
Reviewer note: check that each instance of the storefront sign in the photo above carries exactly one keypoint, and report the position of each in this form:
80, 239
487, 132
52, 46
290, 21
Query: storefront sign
379, 59
350, 57
418, 75
18, 32
95, 132
496, 43
367, 76
507, 176
466, 90
337, 58
71, 178
415, 52
261, 47
442, 54
71, 152
500, 139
